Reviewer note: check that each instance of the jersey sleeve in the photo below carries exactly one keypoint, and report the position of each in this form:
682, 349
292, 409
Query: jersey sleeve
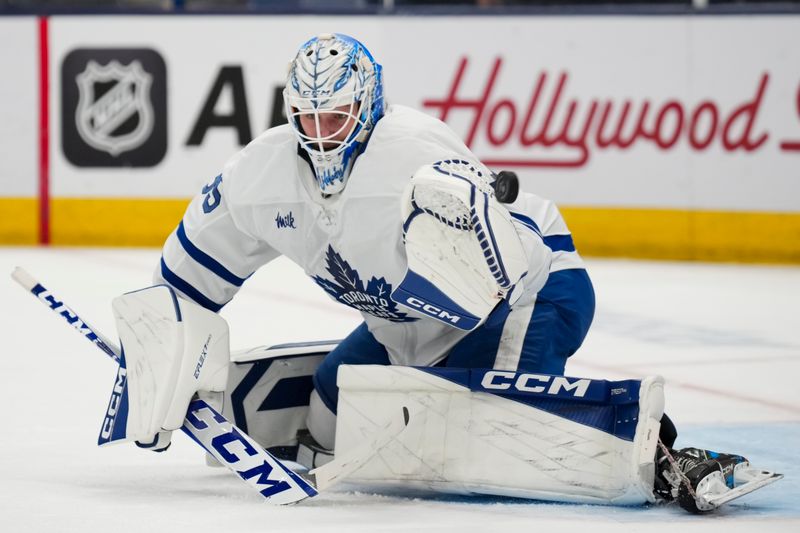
211, 253
540, 225
538, 254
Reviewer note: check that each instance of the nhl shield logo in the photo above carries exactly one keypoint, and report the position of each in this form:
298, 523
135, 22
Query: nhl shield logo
114, 107
114, 112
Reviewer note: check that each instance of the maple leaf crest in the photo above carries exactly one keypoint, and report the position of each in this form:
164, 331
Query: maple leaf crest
379, 287
347, 288
342, 272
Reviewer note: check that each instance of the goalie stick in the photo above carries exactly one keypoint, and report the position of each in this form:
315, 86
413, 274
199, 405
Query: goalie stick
203, 424
258, 468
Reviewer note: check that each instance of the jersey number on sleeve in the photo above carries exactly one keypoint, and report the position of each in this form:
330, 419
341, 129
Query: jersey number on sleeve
211, 201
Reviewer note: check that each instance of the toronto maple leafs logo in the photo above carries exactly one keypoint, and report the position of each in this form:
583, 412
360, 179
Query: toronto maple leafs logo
348, 288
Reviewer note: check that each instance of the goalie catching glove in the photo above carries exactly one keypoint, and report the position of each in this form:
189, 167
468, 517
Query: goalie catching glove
172, 349
464, 254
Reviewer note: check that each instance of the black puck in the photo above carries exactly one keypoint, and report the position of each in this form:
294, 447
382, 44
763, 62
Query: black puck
506, 186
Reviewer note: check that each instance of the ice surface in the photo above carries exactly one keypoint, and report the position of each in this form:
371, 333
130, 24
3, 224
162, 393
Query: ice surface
725, 337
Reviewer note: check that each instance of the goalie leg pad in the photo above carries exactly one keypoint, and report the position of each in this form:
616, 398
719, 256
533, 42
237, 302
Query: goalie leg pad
268, 392
504, 433
172, 348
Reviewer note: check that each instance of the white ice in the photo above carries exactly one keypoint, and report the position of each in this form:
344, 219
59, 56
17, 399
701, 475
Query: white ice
725, 337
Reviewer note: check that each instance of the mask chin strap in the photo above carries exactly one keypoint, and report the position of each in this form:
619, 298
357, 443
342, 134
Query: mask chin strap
332, 174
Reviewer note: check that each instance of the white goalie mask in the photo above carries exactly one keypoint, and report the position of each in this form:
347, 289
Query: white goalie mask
335, 90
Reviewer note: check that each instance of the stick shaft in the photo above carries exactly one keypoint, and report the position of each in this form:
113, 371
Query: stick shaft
58, 306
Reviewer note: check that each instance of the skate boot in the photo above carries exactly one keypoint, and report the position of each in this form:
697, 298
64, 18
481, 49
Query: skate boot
708, 473
702, 480
310, 453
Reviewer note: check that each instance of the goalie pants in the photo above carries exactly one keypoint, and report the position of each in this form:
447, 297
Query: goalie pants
554, 327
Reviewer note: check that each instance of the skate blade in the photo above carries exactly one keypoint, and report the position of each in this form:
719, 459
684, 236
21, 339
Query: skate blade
757, 481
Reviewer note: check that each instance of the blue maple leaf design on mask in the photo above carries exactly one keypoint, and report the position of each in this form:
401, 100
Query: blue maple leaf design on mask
348, 288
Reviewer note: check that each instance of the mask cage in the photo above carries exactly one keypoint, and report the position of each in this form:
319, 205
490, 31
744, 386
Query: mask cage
356, 118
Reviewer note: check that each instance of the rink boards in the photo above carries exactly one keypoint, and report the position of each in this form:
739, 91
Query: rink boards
659, 136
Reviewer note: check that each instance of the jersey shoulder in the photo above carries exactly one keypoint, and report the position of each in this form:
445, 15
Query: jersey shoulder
544, 212
268, 147
406, 125
404, 140
263, 168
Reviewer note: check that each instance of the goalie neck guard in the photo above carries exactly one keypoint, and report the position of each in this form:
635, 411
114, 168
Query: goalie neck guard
334, 77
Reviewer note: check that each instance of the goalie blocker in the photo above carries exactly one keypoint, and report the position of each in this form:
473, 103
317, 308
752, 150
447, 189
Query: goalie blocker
172, 349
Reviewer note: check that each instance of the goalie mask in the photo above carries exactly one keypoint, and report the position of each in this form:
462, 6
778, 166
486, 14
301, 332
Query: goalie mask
333, 98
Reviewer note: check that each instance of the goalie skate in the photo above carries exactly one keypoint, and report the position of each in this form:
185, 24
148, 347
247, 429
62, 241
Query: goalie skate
702, 480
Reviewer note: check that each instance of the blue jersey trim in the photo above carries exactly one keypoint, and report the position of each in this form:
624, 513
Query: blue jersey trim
557, 243
560, 243
206, 260
182, 285
527, 222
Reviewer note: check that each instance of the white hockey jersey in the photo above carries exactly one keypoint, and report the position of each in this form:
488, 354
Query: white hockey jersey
266, 203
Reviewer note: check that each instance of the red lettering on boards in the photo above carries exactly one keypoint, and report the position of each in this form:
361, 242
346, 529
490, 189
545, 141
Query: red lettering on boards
578, 128
793, 146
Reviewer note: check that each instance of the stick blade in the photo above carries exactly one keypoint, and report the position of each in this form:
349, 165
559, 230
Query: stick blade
237, 451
